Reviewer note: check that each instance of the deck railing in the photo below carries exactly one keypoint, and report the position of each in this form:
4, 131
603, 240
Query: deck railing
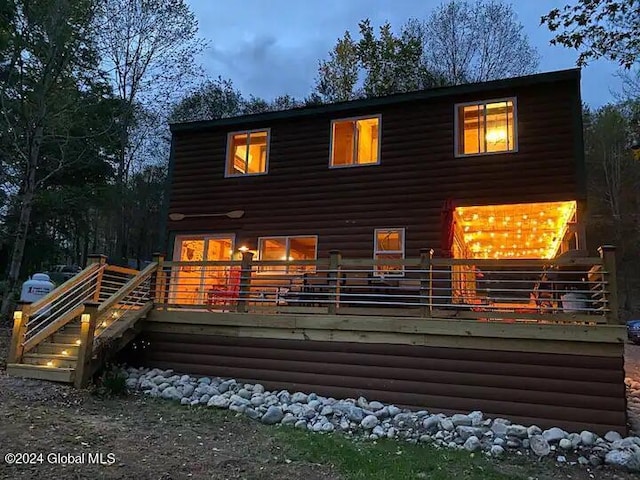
562, 290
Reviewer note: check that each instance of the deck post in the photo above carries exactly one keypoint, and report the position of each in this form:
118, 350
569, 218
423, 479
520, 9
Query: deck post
245, 281
426, 281
85, 352
157, 281
333, 280
20, 319
608, 255
101, 260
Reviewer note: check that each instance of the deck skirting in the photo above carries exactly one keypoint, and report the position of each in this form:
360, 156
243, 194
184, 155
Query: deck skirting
571, 376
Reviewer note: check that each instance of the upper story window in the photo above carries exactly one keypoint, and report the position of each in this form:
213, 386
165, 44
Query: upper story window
355, 141
486, 127
247, 152
388, 245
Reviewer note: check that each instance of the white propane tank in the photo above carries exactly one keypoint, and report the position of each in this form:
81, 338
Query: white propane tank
573, 302
36, 287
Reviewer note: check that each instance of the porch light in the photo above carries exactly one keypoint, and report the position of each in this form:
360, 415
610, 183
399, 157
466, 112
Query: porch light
78, 342
176, 217
49, 363
244, 249
64, 352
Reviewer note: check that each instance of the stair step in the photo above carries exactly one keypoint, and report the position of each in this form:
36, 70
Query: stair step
57, 348
65, 338
49, 360
40, 372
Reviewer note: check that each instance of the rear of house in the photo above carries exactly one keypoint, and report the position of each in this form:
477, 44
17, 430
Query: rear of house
490, 170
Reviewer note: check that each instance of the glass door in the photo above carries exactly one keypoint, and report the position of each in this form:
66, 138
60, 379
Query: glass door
190, 283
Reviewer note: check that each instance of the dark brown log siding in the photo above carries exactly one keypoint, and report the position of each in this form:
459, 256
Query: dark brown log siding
418, 171
575, 392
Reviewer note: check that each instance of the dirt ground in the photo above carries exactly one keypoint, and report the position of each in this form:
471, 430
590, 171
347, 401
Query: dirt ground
154, 439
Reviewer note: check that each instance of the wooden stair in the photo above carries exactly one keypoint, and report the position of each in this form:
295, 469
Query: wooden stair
59, 354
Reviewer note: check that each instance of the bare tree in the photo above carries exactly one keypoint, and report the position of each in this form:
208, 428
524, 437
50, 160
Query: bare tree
149, 48
48, 59
467, 42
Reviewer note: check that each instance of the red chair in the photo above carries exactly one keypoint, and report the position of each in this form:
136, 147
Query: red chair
226, 296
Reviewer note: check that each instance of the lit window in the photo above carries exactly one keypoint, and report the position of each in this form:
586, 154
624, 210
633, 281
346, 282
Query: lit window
486, 127
389, 245
247, 153
288, 248
355, 142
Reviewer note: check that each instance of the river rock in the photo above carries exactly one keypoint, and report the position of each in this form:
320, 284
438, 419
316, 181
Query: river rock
554, 435
612, 436
565, 444
369, 422
518, 431
464, 432
587, 438
431, 424
299, 397
624, 458
272, 416
496, 450
499, 429
539, 445
472, 444
375, 406
461, 420
171, 393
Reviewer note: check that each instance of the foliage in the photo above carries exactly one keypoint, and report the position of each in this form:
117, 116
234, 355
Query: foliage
465, 42
598, 29
338, 76
613, 186
50, 81
150, 49
111, 382
373, 65
220, 99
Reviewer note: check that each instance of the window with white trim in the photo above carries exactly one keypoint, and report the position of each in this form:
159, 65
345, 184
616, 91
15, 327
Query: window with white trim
355, 141
388, 245
486, 127
303, 247
247, 153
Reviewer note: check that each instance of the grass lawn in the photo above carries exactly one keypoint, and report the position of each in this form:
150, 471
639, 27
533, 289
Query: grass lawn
387, 459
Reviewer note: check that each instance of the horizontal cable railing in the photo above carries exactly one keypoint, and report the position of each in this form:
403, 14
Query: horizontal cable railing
543, 290
126, 303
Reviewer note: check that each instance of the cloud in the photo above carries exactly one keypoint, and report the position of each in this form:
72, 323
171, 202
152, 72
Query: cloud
272, 48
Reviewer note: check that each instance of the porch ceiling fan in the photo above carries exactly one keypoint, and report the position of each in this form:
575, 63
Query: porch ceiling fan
176, 217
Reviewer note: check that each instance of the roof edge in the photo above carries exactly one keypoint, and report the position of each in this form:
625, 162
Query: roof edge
437, 92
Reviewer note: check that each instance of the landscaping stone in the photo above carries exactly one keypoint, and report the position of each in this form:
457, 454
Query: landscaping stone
375, 420
554, 435
274, 415
472, 444
539, 445
369, 422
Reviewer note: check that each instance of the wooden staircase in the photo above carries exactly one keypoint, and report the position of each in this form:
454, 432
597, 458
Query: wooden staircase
69, 334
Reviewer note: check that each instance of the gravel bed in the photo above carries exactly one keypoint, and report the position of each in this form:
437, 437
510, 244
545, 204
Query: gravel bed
373, 420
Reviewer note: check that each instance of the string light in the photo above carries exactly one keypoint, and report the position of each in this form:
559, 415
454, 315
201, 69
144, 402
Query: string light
539, 228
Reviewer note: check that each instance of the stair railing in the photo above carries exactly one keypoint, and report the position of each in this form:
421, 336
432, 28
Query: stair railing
43, 318
103, 321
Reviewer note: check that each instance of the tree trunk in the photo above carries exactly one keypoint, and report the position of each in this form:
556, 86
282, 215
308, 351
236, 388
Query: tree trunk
23, 224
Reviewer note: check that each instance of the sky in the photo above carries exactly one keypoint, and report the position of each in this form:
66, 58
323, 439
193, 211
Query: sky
272, 47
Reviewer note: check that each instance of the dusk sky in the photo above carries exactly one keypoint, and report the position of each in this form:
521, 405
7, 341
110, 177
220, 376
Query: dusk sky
271, 48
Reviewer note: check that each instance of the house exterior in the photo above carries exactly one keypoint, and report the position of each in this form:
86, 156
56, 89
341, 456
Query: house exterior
373, 177
461, 281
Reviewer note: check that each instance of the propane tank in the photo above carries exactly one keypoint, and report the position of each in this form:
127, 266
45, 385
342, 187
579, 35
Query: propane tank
36, 287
